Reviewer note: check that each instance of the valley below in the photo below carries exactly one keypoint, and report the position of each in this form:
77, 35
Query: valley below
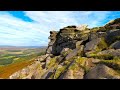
13, 58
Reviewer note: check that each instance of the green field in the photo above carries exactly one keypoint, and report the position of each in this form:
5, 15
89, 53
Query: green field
14, 59
13, 55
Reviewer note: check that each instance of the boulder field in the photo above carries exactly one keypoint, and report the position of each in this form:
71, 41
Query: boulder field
78, 53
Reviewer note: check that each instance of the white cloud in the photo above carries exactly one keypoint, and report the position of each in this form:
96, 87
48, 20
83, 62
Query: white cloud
60, 19
15, 31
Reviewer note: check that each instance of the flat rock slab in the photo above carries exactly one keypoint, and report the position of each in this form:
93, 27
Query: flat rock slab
92, 44
102, 71
116, 45
111, 52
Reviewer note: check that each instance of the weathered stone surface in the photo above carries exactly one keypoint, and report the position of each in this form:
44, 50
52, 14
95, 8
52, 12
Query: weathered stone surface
30, 72
65, 52
84, 37
102, 71
101, 34
113, 24
81, 50
75, 52
42, 58
115, 45
48, 73
72, 74
47, 60
52, 38
60, 58
90, 46
50, 43
49, 50
82, 27
15, 75
94, 35
90, 63
95, 60
53, 35
112, 36
68, 37
111, 52
74, 71
78, 43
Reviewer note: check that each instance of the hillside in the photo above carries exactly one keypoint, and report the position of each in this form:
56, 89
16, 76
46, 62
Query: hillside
78, 53
13, 59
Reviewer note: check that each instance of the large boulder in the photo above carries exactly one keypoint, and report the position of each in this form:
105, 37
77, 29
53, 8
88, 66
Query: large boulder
112, 36
71, 54
110, 52
92, 45
102, 72
95, 44
115, 45
94, 35
75, 52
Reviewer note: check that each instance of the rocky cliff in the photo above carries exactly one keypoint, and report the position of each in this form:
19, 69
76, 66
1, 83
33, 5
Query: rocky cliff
78, 53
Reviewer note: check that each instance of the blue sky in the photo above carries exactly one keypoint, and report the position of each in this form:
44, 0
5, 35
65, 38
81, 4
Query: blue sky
31, 28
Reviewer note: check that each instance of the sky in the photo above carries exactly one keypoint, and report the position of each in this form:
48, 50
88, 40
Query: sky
31, 28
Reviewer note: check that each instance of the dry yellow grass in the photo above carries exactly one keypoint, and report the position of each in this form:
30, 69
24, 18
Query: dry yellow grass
6, 71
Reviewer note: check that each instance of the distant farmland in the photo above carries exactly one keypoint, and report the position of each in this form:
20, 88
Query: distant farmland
17, 57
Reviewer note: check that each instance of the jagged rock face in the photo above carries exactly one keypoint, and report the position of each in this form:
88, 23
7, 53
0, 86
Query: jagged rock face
52, 38
67, 38
102, 72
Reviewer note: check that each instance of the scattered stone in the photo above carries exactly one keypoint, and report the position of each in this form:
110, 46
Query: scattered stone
72, 54
102, 71
115, 45
113, 35
111, 52
91, 46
